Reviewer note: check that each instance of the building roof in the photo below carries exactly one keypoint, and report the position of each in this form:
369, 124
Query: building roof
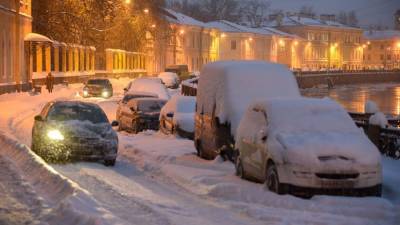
306, 21
179, 18
382, 34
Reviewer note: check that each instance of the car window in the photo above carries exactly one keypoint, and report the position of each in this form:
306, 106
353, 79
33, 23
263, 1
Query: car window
150, 106
67, 112
98, 82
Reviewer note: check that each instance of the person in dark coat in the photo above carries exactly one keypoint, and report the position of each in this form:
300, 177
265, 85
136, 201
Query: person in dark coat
50, 82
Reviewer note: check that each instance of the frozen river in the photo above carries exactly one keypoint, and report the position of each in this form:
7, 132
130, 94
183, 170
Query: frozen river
354, 97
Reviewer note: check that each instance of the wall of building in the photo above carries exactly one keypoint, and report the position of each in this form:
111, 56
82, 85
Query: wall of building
380, 54
14, 27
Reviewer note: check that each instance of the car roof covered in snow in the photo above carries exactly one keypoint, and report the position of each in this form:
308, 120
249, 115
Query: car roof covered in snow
228, 87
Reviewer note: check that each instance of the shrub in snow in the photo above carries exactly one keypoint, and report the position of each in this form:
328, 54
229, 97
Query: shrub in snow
371, 107
378, 119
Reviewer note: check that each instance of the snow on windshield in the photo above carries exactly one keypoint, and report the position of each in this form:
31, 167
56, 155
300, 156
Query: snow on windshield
77, 111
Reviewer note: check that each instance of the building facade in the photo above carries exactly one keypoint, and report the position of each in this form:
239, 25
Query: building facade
382, 49
15, 23
330, 45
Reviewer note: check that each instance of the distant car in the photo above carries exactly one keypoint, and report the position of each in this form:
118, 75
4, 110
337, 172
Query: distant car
70, 130
123, 104
177, 116
181, 70
140, 114
149, 85
98, 88
305, 147
171, 80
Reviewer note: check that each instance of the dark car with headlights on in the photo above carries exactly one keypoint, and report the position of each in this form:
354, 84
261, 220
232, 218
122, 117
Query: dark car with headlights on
98, 87
73, 130
140, 114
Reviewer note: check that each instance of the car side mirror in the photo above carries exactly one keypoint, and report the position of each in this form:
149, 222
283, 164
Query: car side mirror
39, 118
114, 123
170, 115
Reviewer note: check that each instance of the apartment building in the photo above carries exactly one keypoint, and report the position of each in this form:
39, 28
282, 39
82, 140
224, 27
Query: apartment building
382, 49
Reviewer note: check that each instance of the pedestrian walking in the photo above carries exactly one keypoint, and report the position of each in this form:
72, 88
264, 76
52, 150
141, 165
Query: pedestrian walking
50, 82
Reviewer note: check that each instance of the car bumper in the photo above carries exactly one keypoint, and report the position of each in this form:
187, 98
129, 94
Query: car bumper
366, 178
356, 192
91, 151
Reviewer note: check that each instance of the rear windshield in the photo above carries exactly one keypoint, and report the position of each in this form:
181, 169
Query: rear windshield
150, 106
127, 98
82, 112
98, 82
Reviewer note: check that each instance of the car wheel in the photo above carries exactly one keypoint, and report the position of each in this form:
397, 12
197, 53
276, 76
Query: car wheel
272, 180
109, 162
240, 169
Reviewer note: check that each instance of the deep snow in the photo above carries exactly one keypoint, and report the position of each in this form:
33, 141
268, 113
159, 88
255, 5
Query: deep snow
159, 180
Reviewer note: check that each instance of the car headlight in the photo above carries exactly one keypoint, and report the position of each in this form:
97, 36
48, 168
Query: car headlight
105, 93
55, 135
85, 93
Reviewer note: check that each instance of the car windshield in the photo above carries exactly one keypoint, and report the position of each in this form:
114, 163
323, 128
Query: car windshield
127, 98
97, 82
74, 111
150, 106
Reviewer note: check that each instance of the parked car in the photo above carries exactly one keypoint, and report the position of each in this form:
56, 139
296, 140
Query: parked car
69, 130
171, 80
177, 116
181, 70
140, 114
307, 146
98, 87
123, 104
149, 85
224, 91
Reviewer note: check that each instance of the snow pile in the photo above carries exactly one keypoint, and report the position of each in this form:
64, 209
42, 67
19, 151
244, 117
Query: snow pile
170, 79
379, 119
70, 205
228, 87
183, 108
151, 86
371, 107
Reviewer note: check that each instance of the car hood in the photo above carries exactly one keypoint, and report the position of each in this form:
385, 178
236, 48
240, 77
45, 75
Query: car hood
334, 148
85, 129
95, 87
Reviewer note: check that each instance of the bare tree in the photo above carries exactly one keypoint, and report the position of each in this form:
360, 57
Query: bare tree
352, 19
254, 11
307, 11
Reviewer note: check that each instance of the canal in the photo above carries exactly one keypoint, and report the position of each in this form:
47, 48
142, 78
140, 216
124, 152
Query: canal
354, 97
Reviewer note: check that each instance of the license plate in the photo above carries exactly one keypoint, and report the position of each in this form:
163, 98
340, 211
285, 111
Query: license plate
337, 183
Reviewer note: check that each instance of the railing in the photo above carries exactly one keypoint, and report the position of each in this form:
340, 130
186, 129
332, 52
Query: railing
386, 139
341, 72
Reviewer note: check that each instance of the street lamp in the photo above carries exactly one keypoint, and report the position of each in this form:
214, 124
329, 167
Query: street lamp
127, 1
146, 10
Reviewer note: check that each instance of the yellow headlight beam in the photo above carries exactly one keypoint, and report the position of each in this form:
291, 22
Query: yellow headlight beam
55, 135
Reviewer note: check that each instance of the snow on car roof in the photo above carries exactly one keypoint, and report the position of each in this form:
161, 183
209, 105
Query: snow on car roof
151, 86
230, 86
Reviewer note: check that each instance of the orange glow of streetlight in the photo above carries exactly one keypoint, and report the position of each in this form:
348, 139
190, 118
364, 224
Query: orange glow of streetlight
182, 31
250, 39
296, 43
398, 44
223, 35
127, 1
153, 26
146, 11
281, 43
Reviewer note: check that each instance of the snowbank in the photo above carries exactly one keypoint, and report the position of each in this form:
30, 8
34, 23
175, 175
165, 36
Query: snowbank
230, 86
379, 119
169, 79
70, 205
371, 107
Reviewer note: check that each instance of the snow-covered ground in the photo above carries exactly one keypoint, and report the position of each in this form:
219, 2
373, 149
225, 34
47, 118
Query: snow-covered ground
157, 180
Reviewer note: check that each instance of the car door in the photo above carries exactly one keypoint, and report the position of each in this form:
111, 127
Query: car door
126, 114
260, 144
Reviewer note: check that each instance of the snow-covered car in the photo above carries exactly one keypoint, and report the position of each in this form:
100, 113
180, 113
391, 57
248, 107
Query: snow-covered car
171, 80
69, 130
123, 104
141, 114
224, 91
149, 85
177, 116
98, 87
305, 147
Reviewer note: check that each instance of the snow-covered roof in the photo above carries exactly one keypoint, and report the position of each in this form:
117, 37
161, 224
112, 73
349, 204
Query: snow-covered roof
220, 81
306, 21
382, 34
179, 18
34, 37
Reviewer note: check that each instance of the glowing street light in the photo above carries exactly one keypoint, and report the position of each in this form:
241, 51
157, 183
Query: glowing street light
146, 10
250, 39
296, 43
127, 1
153, 26
281, 43
223, 35
182, 31
398, 44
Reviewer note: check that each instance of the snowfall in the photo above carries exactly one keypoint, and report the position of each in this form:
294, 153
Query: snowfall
157, 179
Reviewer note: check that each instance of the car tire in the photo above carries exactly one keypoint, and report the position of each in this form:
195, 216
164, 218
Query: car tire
109, 162
240, 169
272, 180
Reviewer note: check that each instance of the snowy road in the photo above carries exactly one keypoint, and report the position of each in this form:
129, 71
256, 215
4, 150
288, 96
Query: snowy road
159, 180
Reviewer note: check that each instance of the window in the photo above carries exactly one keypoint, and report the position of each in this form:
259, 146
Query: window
233, 45
382, 47
382, 57
368, 57
389, 57
60, 60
